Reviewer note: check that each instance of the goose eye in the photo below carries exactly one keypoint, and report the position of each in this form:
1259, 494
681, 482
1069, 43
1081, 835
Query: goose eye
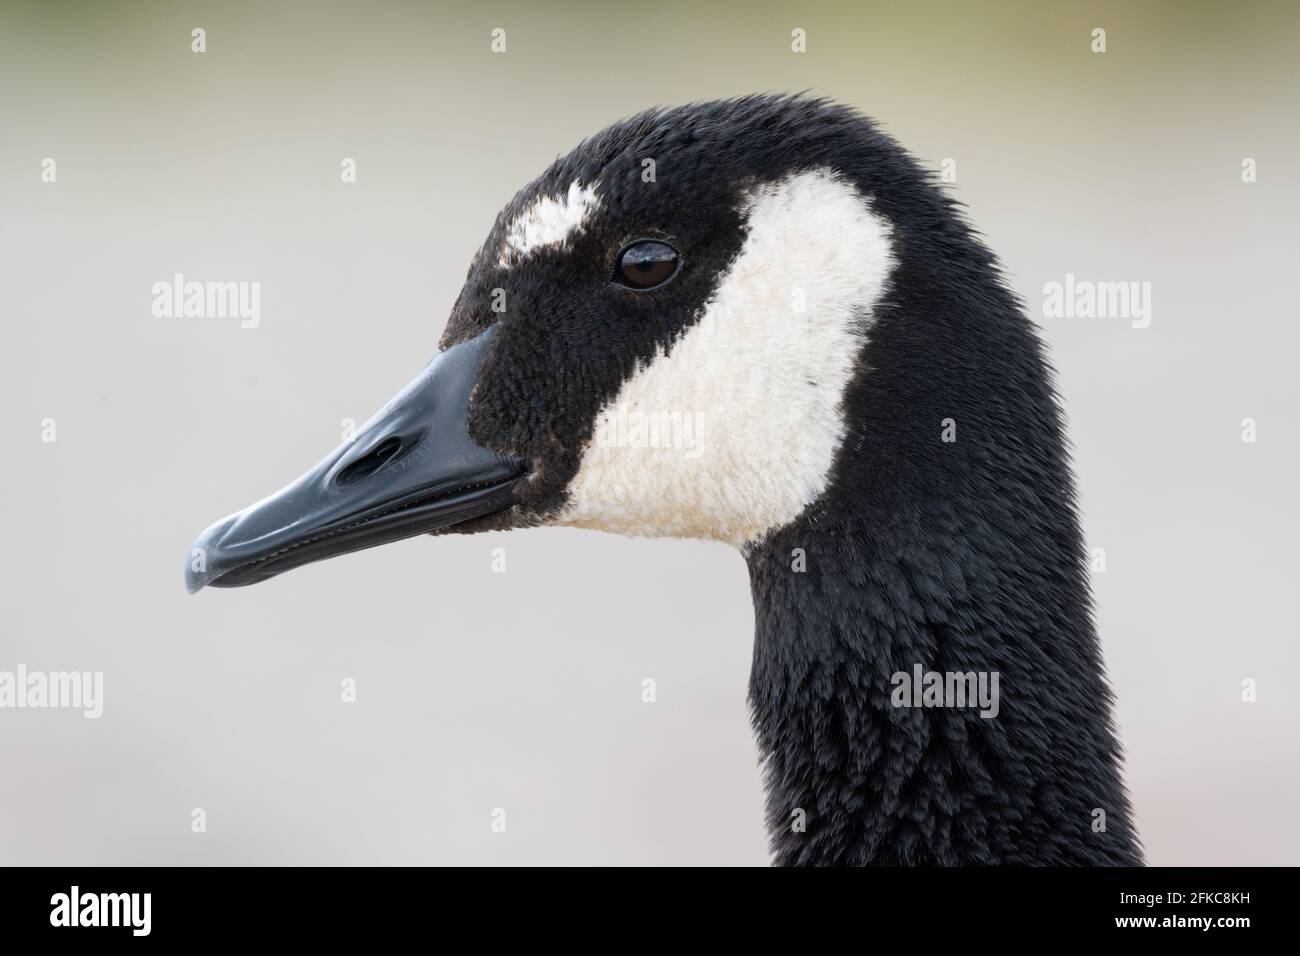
646, 263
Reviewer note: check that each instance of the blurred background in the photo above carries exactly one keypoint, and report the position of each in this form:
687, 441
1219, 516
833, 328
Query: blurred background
522, 690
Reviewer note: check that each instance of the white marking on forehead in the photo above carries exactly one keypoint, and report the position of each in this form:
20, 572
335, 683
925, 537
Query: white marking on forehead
548, 221
748, 405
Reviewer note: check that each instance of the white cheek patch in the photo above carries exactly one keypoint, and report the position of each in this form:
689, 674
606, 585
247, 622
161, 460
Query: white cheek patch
734, 432
548, 221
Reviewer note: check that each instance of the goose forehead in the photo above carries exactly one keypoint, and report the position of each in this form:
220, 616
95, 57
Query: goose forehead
733, 430
548, 219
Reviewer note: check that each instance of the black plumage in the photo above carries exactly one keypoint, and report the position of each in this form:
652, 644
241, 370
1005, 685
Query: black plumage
960, 556
951, 556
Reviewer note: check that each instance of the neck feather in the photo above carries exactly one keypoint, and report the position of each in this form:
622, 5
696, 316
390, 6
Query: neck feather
880, 783
961, 556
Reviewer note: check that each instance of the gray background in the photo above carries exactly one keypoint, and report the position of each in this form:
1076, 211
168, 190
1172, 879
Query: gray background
522, 690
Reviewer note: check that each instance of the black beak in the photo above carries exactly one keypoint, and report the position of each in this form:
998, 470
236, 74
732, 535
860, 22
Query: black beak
411, 469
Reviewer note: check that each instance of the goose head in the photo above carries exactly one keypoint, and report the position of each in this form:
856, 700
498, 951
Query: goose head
655, 339
759, 322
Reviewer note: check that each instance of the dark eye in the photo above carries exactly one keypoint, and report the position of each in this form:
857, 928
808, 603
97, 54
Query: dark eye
646, 263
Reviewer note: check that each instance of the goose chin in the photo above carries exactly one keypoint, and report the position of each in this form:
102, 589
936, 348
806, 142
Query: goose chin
410, 470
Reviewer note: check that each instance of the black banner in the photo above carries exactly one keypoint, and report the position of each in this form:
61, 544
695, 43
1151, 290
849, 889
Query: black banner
95, 905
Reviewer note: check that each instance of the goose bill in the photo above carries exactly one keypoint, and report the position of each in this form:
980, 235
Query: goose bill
410, 470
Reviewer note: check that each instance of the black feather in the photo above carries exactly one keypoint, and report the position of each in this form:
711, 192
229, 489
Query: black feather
958, 556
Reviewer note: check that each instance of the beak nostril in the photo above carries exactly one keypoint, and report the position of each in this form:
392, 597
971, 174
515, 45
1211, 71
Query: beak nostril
369, 463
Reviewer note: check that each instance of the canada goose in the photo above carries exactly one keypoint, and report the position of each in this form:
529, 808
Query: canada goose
874, 428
